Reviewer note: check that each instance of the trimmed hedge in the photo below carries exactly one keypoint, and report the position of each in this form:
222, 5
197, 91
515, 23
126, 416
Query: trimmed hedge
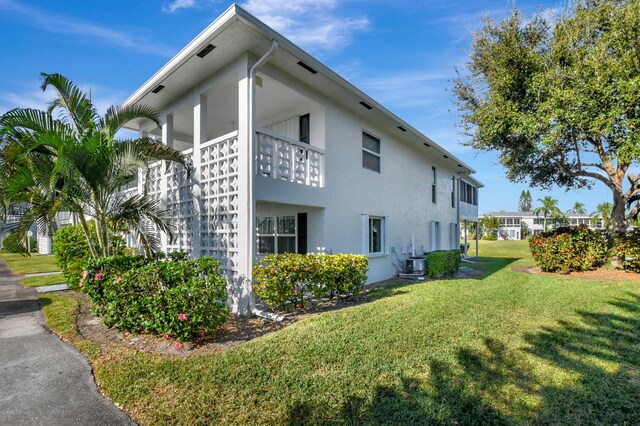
568, 249
627, 246
441, 263
283, 280
12, 244
181, 297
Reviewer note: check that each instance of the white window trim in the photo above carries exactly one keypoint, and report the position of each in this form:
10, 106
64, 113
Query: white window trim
365, 235
275, 233
377, 154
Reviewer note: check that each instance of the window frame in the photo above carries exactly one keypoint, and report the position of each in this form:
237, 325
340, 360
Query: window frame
367, 232
434, 185
370, 152
275, 235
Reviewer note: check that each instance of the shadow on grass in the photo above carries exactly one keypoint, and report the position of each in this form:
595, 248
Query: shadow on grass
599, 381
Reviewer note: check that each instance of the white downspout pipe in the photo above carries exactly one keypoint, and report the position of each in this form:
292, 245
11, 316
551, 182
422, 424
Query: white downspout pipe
252, 143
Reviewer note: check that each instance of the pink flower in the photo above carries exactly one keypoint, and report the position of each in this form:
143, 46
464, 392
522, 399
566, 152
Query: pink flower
202, 334
85, 274
119, 280
81, 282
178, 345
182, 317
99, 275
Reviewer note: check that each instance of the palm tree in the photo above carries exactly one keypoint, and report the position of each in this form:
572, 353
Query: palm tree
603, 212
83, 165
578, 208
548, 208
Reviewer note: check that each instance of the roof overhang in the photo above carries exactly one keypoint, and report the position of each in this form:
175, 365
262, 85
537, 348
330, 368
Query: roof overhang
237, 31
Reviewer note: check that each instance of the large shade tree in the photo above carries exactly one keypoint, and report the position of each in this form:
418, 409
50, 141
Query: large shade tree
69, 159
559, 100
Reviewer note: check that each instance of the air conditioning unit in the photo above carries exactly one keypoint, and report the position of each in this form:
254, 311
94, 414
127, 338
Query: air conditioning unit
416, 265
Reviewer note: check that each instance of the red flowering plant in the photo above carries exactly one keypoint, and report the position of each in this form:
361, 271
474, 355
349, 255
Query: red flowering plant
568, 249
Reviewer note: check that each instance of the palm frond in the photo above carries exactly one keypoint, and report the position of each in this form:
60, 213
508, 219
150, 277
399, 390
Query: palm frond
72, 100
117, 117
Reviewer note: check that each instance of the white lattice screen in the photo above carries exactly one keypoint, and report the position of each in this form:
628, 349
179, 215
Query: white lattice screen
219, 200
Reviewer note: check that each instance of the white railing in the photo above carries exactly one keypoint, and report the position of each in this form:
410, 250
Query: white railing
283, 158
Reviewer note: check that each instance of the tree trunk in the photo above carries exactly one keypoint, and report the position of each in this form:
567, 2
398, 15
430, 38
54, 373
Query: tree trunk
618, 222
87, 233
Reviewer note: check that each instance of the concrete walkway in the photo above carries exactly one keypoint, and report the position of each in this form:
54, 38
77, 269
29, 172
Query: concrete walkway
43, 381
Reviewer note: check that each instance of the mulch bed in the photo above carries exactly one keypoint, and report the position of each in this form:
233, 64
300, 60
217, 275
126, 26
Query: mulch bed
597, 274
235, 331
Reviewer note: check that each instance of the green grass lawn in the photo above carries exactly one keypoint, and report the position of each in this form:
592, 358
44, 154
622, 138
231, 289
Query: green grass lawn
41, 280
509, 348
35, 263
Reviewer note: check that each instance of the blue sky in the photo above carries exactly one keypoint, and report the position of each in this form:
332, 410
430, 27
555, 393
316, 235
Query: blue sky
402, 53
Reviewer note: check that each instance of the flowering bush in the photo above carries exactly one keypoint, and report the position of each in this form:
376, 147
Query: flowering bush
567, 249
283, 280
182, 298
441, 263
627, 246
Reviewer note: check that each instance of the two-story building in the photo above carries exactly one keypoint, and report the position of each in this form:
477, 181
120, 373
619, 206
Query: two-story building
287, 156
513, 223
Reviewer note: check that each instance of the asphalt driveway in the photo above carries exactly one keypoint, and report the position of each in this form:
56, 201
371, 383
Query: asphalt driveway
43, 381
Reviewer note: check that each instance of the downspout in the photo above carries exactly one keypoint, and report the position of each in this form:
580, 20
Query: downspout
252, 135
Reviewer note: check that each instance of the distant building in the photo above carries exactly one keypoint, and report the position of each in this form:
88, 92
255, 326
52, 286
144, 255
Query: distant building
511, 223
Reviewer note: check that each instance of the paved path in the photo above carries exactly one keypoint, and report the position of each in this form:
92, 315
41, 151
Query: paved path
43, 381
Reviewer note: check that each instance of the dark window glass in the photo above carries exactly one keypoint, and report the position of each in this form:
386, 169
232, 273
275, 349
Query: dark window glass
266, 245
370, 161
286, 245
305, 128
370, 143
375, 235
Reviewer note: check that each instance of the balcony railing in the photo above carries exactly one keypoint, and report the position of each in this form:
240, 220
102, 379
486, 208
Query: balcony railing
286, 159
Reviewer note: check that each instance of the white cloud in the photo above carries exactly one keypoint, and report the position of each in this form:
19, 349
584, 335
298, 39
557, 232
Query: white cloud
314, 24
62, 24
178, 4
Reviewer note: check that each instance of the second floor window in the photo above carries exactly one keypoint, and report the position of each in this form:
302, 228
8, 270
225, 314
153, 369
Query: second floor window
370, 152
433, 184
453, 191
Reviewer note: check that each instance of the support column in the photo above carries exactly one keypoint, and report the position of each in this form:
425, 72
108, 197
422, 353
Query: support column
167, 139
477, 232
466, 232
241, 294
199, 137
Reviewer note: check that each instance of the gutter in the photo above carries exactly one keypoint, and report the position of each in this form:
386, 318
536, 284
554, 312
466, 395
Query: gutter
252, 134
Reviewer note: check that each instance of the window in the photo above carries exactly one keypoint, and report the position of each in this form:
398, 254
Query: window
276, 234
376, 235
305, 128
453, 191
370, 152
433, 184
468, 193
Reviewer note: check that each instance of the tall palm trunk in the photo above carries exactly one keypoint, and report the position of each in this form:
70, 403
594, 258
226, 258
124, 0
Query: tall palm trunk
87, 233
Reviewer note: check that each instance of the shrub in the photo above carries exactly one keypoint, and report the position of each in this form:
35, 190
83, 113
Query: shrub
71, 251
567, 249
182, 298
12, 244
489, 237
283, 280
440, 263
627, 246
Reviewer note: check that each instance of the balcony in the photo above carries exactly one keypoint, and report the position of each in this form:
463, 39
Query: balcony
286, 159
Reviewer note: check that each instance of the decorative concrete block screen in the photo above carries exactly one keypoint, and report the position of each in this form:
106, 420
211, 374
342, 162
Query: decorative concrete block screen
286, 159
180, 203
219, 200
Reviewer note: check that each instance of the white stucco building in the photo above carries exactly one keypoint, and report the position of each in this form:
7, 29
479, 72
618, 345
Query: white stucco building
511, 223
287, 156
